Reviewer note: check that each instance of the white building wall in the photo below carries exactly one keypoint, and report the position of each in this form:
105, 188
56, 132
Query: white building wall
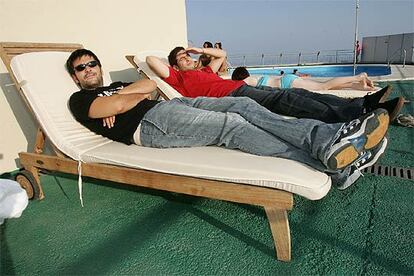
112, 29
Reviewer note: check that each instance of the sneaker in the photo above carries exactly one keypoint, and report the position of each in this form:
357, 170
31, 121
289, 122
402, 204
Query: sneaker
367, 159
381, 96
393, 107
357, 136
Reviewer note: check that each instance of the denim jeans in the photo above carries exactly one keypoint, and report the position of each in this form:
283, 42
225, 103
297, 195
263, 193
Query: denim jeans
301, 103
237, 123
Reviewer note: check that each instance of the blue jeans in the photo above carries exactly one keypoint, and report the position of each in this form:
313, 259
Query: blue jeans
301, 103
237, 123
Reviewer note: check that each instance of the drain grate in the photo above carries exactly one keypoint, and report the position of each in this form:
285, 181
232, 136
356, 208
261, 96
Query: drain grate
404, 173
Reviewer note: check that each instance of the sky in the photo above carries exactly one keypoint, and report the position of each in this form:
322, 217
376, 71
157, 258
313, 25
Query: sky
259, 26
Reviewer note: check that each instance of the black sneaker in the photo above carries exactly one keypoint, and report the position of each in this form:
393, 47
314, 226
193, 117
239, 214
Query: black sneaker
367, 159
372, 100
357, 136
393, 107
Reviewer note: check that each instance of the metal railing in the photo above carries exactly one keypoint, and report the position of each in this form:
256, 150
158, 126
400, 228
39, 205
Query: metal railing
291, 58
394, 57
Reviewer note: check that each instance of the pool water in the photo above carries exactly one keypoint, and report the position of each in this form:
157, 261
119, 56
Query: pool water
325, 71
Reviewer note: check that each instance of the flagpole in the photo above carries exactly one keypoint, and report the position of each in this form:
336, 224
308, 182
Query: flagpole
356, 33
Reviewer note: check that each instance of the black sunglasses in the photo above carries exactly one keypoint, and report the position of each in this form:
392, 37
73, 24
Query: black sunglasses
82, 66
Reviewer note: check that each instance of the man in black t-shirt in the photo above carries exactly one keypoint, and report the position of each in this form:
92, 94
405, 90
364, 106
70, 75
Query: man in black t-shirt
97, 106
123, 112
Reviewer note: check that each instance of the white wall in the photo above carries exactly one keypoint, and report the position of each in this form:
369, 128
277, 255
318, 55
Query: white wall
112, 29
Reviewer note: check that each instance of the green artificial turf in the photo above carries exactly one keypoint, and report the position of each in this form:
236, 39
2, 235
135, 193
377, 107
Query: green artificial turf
367, 229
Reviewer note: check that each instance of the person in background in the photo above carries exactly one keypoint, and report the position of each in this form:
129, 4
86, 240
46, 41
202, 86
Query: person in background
224, 66
204, 59
358, 82
297, 73
207, 44
358, 50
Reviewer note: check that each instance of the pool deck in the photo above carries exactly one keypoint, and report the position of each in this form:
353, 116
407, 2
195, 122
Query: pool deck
398, 72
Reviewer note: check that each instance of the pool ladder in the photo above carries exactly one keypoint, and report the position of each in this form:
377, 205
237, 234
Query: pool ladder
394, 56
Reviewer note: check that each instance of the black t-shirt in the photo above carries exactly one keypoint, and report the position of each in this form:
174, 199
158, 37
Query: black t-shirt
125, 123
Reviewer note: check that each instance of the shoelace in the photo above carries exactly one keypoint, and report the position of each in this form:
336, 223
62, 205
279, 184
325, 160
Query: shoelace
364, 158
350, 126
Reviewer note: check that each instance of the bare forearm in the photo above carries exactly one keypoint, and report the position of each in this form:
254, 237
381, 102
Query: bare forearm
158, 66
113, 105
129, 101
140, 87
214, 52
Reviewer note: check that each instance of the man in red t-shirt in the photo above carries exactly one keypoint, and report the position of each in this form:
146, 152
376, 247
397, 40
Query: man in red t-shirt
191, 82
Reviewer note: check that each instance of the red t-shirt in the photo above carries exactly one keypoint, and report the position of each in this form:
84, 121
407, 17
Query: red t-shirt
201, 82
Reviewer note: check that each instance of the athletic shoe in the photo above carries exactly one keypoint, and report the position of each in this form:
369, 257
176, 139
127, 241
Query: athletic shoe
367, 159
381, 96
393, 107
357, 136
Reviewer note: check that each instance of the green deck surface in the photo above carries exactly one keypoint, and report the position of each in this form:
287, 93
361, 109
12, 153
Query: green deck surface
367, 229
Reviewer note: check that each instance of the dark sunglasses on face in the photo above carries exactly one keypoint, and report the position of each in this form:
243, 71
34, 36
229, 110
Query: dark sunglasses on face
82, 66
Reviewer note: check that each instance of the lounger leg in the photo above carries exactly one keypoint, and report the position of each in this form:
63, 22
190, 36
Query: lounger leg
279, 225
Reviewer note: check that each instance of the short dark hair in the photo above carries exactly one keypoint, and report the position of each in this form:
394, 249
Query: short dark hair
78, 54
172, 57
208, 44
219, 44
205, 59
240, 73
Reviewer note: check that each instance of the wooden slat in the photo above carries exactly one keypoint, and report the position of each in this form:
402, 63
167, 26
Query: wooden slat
240, 193
40, 141
131, 60
11, 49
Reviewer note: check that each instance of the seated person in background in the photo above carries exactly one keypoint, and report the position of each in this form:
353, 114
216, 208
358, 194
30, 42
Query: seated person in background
224, 67
204, 59
340, 150
207, 44
358, 82
300, 103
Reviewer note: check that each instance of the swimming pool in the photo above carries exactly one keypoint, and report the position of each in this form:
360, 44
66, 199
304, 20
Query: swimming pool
325, 71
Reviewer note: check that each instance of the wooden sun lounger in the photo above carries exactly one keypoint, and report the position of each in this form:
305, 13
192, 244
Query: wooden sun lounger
275, 202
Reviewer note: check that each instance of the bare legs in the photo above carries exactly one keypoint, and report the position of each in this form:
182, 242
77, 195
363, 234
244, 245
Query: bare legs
358, 82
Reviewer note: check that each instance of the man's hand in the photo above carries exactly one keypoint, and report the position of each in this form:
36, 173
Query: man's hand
109, 122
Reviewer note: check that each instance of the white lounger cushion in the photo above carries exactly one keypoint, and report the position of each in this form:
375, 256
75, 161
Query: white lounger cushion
48, 90
140, 58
